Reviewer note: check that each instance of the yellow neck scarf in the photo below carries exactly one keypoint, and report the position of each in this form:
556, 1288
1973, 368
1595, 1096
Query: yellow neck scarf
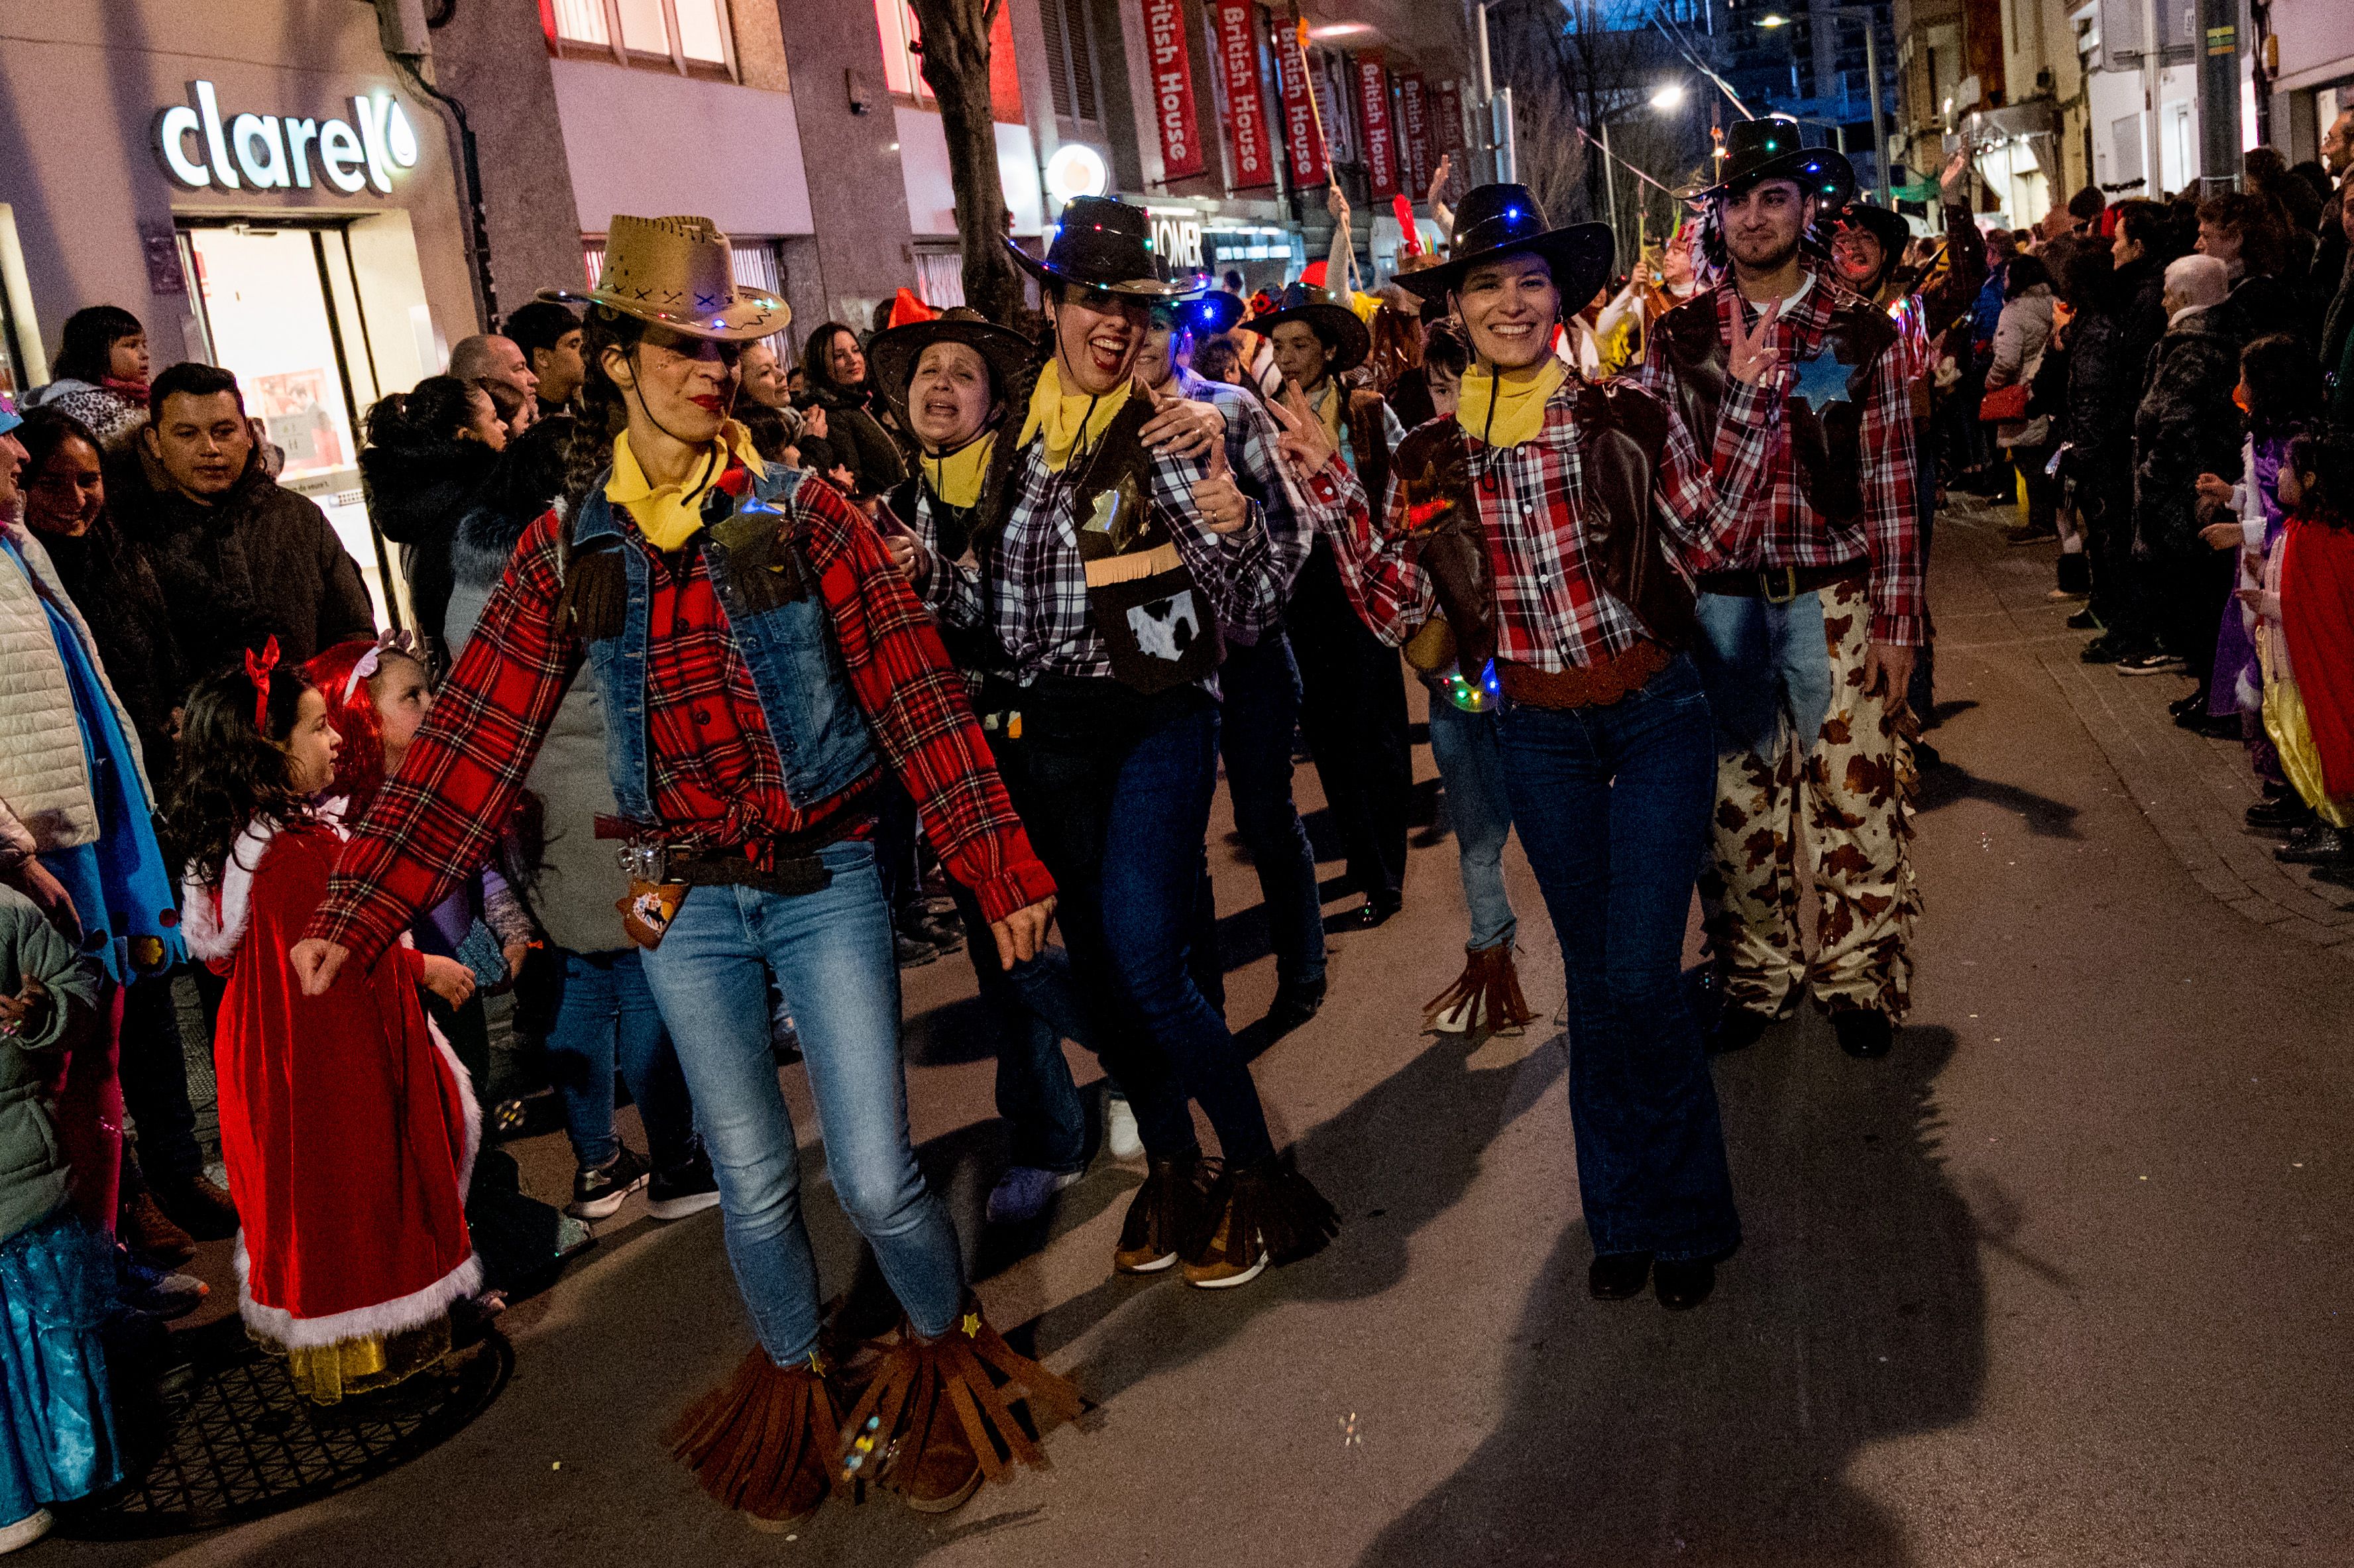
1517, 397
1068, 417
669, 516
956, 477
1329, 405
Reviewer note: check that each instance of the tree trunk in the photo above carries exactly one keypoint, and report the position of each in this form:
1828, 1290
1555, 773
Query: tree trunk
955, 66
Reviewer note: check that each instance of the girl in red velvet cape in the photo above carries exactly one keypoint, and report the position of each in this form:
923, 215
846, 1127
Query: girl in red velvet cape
345, 1120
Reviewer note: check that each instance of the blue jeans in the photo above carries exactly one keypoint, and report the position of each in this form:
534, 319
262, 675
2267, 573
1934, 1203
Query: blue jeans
1037, 1007
1472, 770
605, 1019
1612, 804
1115, 792
832, 954
1260, 684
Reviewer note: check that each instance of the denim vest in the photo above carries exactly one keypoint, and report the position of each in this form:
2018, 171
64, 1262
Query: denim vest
813, 717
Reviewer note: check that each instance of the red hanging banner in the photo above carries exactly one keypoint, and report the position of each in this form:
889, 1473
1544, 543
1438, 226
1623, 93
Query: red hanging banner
1451, 118
1300, 133
1414, 132
1246, 128
1381, 137
1173, 89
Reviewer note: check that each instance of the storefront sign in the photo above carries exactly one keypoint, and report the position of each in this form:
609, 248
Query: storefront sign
1299, 132
1173, 89
1414, 132
1177, 239
1247, 133
1381, 143
265, 152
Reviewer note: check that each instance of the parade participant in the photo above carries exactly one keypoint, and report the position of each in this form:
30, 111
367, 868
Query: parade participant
953, 380
1107, 573
1352, 689
781, 666
1259, 683
345, 1122
1813, 618
1551, 521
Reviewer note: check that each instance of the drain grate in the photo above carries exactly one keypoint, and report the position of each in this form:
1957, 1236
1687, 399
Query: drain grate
235, 1442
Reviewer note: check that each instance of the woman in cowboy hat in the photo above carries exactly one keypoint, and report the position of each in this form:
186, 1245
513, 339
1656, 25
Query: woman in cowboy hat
1108, 574
1353, 688
777, 668
1551, 521
1817, 614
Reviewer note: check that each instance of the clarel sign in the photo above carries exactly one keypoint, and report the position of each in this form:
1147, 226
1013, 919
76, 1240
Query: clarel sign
202, 151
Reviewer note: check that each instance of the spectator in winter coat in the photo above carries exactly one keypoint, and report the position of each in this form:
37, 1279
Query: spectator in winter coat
2020, 337
855, 439
2247, 233
2115, 328
240, 559
548, 333
101, 375
2187, 425
429, 451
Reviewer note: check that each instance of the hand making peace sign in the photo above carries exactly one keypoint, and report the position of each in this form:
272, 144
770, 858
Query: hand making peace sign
1747, 357
1305, 446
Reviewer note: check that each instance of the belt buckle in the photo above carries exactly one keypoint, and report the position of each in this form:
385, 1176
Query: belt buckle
1765, 584
646, 858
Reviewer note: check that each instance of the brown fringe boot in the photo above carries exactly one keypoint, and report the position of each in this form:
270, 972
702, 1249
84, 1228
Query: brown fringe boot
1266, 1214
1486, 996
938, 1415
762, 1441
1165, 1215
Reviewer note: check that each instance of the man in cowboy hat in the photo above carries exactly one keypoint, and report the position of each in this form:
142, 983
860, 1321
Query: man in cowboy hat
1259, 683
1549, 522
1110, 575
774, 669
1353, 688
1814, 618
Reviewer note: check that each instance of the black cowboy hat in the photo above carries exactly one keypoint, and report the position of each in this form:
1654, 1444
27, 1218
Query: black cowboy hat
1315, 307
891, 357
1768, 149
1886, 226
1104, 244
1206, 316
1500, 220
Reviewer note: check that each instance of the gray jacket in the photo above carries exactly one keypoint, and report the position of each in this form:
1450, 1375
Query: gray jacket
580, 880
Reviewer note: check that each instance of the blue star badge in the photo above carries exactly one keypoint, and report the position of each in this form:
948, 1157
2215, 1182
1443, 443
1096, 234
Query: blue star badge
1821, 380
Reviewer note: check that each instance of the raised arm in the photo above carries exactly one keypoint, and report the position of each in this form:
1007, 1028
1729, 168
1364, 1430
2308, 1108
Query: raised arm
1380, 570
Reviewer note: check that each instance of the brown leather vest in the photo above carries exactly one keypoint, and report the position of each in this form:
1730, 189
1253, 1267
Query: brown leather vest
1828, 445
1368, 440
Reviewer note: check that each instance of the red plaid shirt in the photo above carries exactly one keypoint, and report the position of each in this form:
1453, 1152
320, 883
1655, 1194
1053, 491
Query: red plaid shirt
714, 771
1551, 609
1779, 528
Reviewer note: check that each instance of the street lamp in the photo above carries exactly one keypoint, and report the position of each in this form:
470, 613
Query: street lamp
1865, 14
1667, 98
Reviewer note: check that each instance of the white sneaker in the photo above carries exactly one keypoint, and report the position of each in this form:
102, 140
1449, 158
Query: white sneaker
26, 1531
1460, 1017
1120, 1128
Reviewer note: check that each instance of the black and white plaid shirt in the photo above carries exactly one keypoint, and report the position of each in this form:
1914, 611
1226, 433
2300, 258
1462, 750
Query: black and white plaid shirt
1250, 452
1029, 588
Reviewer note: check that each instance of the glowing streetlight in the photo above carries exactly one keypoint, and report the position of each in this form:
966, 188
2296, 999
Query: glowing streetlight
1669, 97
1772, 19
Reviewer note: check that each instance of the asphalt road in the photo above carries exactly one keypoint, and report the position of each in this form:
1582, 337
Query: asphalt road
2060, 1282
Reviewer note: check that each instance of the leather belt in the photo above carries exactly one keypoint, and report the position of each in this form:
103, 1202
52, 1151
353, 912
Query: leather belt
1595, 685
785, 865
1780, 584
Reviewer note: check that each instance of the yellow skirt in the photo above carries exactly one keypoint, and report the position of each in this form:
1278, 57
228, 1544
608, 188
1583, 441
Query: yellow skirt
325, 1373
2285, 721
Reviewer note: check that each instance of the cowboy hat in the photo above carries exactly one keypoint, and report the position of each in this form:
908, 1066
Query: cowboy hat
1205, 316
680, 273
891, 358
1884, 225
1768, 149
1103, 244
1500, 220
1337, 324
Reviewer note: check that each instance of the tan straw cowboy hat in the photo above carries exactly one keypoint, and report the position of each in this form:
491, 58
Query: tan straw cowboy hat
680, 273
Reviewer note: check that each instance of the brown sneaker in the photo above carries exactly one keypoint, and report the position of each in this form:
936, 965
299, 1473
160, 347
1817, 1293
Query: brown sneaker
1164, 1214
1222, 1261
1266, 1214
145, 1231
205, 1210
909, 1432
946, 1472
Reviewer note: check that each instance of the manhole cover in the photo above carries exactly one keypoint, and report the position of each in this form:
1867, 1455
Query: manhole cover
235, 1442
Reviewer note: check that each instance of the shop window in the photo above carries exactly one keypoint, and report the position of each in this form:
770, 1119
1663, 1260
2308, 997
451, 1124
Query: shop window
1070, 60
939, 277
903, 56
692, 37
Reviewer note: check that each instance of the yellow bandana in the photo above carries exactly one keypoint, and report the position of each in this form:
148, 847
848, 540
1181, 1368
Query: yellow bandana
1067, 418
1519, 398
667, 515
956, 478
1329, 405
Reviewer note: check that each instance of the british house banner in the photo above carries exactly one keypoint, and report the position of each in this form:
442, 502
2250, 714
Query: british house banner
1173, 89
1299, 132
1414, 132
1246, 126
1381, 137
